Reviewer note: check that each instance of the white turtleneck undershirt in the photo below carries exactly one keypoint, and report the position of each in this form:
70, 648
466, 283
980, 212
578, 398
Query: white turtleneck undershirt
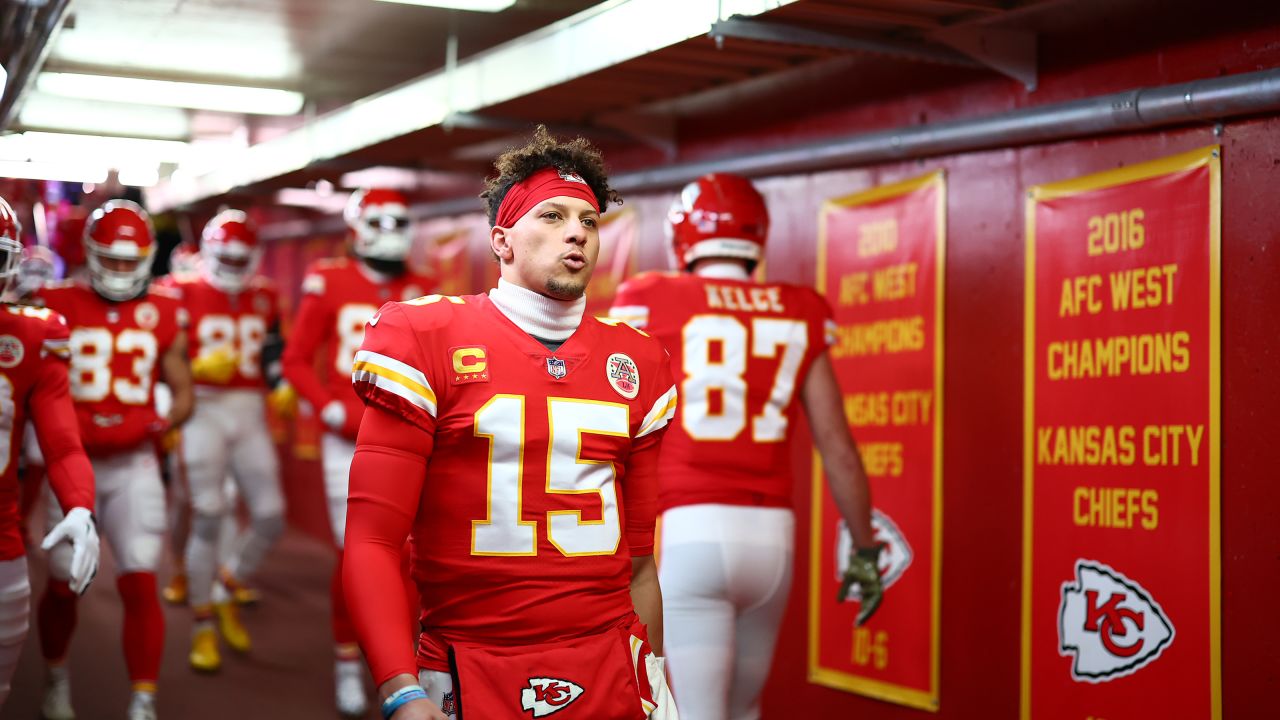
546, 319
723, 270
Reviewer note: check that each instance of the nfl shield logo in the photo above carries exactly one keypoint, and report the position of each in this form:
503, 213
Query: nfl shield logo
556, 368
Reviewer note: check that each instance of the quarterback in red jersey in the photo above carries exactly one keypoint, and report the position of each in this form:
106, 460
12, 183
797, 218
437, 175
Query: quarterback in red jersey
338, 297
231, 310
125, 338
515, 442
33, 386
744, 352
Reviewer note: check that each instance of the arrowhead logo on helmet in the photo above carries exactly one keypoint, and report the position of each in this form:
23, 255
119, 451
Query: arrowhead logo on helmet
1109, 624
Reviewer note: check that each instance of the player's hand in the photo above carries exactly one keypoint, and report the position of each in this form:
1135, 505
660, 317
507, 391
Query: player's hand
215, 366
283, 401
863, 571
334, 415
79, 529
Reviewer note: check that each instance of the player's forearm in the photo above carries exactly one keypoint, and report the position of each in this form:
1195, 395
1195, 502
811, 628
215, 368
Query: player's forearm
71, 479
846, 475
851, 493
646, 595
58, 432
177, 375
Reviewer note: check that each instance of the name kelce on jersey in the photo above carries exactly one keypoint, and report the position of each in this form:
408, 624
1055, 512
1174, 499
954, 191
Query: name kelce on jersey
745, 298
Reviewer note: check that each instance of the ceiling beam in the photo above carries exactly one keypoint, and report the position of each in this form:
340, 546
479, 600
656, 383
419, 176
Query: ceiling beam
772, 32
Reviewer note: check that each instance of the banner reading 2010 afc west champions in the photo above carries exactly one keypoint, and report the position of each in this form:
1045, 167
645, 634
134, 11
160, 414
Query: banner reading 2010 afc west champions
1120, 614
880, 265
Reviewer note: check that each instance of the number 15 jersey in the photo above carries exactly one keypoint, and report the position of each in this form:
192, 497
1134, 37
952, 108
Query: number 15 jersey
740, 352
529, 514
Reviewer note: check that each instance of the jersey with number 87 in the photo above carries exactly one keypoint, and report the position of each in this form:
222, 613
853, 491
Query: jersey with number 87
740, 352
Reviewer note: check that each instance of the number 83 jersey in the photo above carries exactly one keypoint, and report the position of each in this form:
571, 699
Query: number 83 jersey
530, 513
741, 352
115, 360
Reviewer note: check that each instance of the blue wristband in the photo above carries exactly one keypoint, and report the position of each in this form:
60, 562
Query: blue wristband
401, 697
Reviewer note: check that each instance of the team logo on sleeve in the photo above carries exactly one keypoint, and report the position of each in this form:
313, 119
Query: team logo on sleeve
1110, 624
470, 364
556, 368
894, 559
11, 351
545, 696
623, 375
147, 315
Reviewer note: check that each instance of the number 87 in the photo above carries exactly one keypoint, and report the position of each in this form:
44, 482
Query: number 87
726, 375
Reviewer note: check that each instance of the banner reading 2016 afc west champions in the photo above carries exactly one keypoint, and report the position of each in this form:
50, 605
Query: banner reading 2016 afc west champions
1120, 614
880, 265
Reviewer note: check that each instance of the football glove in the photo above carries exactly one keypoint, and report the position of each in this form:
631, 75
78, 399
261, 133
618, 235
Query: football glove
864, 571
79, 529
283, 401
215, 366
334, 415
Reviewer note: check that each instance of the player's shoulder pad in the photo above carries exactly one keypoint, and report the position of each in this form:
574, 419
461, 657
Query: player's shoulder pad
166, 292
429, 311
647, 281
634, 337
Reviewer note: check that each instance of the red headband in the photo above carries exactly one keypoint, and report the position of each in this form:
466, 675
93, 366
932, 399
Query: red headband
546, 183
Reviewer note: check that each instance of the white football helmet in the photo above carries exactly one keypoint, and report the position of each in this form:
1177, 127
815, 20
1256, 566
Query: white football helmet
379, 225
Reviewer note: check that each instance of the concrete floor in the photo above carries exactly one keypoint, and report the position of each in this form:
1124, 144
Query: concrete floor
289, 673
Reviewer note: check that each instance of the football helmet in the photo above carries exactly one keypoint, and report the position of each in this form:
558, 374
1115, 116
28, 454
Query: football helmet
10, 246
378, 222
229, 251
718, 215
37, 268
119, 247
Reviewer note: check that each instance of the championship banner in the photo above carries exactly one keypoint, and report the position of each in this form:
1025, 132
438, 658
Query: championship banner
881, 258
1120, 581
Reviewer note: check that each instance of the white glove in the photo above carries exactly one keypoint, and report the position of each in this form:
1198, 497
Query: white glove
334, 415
78, 529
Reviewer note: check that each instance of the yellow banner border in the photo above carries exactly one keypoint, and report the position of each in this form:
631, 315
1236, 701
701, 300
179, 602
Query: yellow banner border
1210, 156
910, 697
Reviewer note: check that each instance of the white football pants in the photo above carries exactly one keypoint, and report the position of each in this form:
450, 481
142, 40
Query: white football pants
725, 572
15, 610
228, 434
336, 453
129, 508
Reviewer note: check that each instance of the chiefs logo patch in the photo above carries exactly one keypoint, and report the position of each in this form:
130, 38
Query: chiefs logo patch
11, 351
147, 315
623, 375
545, 696
894, 559
1110, 624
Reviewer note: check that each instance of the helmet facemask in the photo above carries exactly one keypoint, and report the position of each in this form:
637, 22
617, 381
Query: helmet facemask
229, 266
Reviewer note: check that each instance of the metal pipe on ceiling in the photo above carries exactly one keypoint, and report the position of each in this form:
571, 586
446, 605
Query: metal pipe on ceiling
1145, 108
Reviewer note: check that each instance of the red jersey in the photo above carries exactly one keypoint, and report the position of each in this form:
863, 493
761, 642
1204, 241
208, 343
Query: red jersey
741, 352
338, 298
115, 361
220, 319
33, 384
529, 516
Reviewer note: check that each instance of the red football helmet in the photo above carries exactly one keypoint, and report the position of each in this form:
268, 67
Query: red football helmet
10, 246
378, 219
119, 246
229, 251
718, 215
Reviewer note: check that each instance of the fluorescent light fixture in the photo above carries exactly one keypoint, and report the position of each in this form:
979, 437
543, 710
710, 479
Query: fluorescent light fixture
200, 96
473, 5
139, 176
50, 112
302, 197
66, 172
113, 151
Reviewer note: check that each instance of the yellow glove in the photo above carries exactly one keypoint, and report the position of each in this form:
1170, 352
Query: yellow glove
215, 366
283, 401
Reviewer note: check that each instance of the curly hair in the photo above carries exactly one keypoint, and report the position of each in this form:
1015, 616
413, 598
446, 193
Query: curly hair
543, 150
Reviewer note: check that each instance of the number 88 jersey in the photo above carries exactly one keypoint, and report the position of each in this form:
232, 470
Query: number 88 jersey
238, 322
740, 353
115, 360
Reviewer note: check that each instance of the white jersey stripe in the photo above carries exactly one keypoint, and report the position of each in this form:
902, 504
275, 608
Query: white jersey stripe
368, 375
661, 413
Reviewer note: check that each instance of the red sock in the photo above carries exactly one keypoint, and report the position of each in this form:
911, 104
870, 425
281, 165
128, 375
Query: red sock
56, 618
344, 633
143, 626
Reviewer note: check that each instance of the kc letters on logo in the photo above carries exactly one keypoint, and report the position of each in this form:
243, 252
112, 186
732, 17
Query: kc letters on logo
548, 695
1110, 624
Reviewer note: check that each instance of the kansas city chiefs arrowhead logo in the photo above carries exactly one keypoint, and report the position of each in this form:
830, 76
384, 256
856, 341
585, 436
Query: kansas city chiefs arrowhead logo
548, 695
1110, 624
894, 559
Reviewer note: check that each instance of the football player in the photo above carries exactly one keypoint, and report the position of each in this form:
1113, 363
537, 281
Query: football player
125, 337
33, 385
515, 442
339, 297
744, 353
231, 310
